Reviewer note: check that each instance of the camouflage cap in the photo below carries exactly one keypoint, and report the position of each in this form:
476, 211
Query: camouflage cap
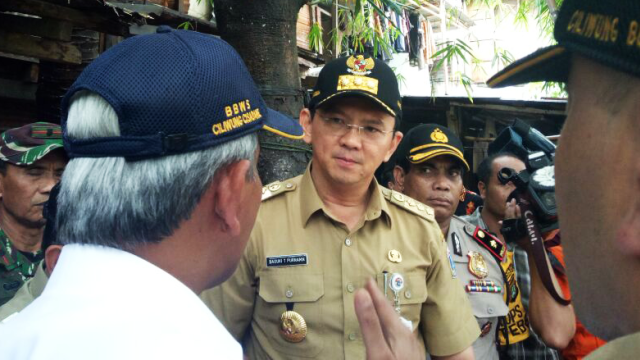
30, 143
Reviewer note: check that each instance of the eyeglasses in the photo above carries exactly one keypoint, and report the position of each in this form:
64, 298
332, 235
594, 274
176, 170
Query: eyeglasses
370, 133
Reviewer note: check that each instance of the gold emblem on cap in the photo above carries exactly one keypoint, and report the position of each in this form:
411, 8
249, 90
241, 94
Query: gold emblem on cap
355, 82
477, 265
293, 328
394, 256
359, 65
438, 136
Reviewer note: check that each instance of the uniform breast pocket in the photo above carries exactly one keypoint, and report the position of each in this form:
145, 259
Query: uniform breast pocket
304, 293
483, 304
411, 297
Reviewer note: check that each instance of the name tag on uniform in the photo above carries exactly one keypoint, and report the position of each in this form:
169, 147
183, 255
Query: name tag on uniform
287, 260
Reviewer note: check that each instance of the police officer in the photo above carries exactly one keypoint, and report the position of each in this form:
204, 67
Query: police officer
429, 167
31, 163
320, 235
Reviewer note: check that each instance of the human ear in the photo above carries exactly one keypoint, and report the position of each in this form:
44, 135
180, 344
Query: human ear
305, 121
628, 236
483, 189
227, 186
397, 137
398, 176
51, 256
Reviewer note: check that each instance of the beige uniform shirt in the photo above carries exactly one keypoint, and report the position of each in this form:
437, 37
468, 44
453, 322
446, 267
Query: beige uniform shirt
487, 307
623, 348
293, 221
29, 291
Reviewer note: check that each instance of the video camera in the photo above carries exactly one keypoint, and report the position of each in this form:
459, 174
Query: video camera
537, 182
535, 194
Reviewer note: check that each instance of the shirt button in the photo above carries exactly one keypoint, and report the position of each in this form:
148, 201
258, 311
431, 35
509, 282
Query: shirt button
347, 242
350, 288
407, 294
288, 293
490, 310
352, 336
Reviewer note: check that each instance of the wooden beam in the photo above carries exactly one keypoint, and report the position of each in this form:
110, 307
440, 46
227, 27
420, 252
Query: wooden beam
510, 109
84, 19
46, 28
42, 49
155, 14
335, 26
19, 57
491, 139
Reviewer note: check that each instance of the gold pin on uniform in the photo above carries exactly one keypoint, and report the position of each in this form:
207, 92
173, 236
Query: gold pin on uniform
394, 256
293, 328
477, 265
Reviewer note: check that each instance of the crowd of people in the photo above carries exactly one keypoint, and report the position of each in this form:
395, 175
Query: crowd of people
140, 227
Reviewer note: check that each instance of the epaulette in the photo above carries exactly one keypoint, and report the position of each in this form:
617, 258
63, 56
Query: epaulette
409, 204
276, 188
495, 246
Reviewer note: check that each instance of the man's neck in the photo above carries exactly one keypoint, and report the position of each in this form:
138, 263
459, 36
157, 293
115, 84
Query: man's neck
346, 203
444, 227
23, 238
492, 222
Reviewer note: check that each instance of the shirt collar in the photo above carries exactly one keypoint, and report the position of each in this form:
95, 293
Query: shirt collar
311, 203
476, 218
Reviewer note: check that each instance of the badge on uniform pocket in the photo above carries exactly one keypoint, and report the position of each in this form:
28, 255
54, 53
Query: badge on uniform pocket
477, 265
287, 260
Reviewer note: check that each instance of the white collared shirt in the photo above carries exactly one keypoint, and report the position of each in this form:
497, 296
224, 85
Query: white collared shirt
104, 303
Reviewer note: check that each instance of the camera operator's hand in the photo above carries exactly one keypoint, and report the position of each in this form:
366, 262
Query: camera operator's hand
512, 211
385, 337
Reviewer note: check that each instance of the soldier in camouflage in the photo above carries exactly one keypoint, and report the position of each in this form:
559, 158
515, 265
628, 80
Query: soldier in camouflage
32, 160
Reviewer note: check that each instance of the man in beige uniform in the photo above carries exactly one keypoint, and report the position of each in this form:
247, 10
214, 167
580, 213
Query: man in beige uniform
429, 167
320, 235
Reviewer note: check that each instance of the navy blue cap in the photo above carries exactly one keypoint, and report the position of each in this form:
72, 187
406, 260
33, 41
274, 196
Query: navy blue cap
174, 91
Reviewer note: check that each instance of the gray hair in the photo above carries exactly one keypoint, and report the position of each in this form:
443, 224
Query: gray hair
117, 203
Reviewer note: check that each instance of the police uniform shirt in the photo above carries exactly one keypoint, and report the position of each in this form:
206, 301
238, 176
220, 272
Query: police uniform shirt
487, 307
329, 264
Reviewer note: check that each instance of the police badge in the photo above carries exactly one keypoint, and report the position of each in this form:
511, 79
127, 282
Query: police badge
477, 265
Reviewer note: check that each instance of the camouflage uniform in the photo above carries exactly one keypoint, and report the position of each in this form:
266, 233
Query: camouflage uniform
23, 146
15, 268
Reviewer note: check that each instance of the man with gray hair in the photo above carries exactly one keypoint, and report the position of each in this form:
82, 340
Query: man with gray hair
157, 203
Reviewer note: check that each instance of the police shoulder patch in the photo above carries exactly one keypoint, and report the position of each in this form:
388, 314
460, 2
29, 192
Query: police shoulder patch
277, 188
409, 204
495, 246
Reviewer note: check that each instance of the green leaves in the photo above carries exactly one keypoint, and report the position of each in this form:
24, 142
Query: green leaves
454, 49
357, 19
501, 57
315, 37
185, 26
